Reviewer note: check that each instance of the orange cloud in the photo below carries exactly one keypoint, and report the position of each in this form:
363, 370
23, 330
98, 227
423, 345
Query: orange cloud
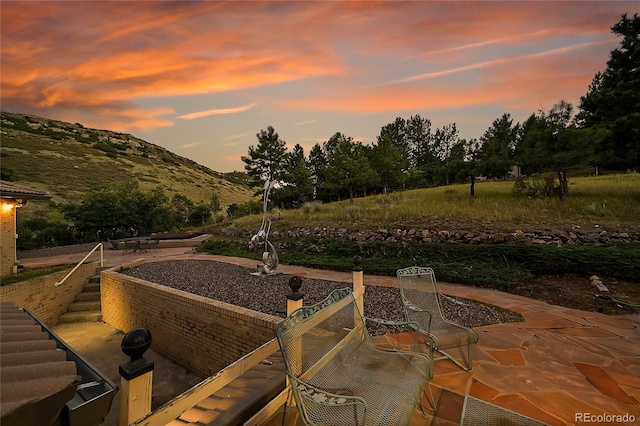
100, 61
119, 52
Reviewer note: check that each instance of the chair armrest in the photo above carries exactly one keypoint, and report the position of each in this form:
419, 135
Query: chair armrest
316, 400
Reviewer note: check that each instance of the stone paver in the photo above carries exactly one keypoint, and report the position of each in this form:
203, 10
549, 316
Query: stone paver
558, 364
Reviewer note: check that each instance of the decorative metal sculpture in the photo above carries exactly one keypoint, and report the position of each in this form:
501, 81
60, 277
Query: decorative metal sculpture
270, 255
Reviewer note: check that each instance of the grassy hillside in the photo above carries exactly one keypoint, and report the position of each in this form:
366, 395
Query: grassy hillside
68, 159
608, 201
611, 202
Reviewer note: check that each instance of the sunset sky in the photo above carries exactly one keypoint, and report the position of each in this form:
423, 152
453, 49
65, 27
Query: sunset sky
201, 78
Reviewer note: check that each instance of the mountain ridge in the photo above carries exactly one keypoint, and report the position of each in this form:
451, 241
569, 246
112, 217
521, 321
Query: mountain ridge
68, 159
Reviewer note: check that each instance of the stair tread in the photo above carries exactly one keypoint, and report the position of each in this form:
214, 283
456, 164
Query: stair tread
91, 287
82, 316
87, 296
85, 305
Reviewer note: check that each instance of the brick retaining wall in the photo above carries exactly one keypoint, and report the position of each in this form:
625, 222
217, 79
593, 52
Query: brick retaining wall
202, 334
42, 298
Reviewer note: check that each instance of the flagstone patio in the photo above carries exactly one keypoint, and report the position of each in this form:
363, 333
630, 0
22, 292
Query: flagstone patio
560, 366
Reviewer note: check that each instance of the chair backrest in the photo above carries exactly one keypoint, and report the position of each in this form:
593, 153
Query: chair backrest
310, 335
419, 289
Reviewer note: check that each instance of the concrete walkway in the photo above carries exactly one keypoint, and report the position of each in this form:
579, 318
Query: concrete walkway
560, 366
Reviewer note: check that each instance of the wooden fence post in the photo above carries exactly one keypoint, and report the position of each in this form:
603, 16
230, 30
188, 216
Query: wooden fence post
295, 300
136, 377
358, 283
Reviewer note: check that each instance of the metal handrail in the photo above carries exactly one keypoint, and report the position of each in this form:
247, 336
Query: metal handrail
82, 261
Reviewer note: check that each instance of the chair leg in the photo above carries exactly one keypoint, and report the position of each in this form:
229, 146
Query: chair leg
287, 413
454, 360
429, 394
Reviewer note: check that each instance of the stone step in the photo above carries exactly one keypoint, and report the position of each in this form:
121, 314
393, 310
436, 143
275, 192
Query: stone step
89, 305
91, 287
94, 279
86, 316
88, 295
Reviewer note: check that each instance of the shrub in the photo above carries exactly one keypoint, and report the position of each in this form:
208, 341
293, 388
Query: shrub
312, 207
389, 199
235, 210
352, 212
540, 185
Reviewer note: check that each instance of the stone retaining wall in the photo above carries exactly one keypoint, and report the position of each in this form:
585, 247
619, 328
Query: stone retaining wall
202, 334
576, 236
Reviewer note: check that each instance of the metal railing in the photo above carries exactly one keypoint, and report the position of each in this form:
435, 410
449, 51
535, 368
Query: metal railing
82, 261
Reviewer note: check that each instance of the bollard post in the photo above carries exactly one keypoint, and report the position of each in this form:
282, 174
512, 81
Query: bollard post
136, 377
358, 283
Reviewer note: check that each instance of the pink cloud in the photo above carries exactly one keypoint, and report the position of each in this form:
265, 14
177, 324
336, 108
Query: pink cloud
500, 61
219, 111
124, 51
96, 61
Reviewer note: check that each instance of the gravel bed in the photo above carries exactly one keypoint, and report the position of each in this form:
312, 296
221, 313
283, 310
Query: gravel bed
235, 285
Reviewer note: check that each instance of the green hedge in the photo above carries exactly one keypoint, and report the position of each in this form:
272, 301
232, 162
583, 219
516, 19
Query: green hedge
498, 266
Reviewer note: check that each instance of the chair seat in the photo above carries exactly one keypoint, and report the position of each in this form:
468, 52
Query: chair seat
452, 337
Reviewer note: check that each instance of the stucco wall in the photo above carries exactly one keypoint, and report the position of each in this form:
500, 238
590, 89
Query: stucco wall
202, 334
43, 299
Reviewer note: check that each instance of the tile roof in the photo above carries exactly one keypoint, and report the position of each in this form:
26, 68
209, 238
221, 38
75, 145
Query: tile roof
12, 190
37, 380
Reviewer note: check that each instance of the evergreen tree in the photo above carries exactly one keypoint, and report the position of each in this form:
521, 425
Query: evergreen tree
387, 160
268, 161
444, 140
298, 186
396, 133
420, 141
348, 166
214, 203
495, 157
613, 100
318, 166
551, 142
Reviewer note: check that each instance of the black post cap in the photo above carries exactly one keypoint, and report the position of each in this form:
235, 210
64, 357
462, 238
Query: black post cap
134, 344
295, 283
357, 263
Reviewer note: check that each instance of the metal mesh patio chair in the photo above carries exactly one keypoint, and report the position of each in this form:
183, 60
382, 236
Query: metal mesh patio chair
338, 377
421, 300
476, 412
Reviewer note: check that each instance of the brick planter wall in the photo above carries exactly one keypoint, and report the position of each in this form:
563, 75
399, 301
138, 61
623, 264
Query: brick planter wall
202, 334
42, 298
